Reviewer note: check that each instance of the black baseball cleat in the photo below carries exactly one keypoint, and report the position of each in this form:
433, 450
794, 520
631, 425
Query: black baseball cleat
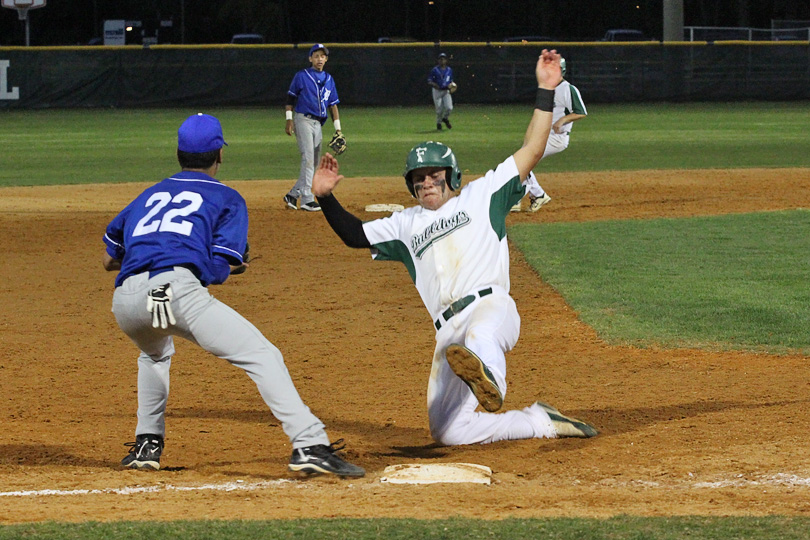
470, 369
311, 206
322, 459
439, 126
447, 123
144, 453
291, 202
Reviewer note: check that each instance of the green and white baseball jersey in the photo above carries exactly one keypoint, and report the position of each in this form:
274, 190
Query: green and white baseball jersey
459, 248
567, 100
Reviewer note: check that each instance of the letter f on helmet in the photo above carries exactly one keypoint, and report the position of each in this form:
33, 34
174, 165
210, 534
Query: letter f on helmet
432, 154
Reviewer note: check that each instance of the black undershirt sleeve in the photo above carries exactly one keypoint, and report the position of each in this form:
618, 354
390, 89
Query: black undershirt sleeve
347, 226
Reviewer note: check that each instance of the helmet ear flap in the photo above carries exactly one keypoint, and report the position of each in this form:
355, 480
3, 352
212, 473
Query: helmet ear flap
409, 183
453, 178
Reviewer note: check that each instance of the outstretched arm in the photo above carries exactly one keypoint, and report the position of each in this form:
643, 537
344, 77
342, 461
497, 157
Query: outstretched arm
548, 76
345, 224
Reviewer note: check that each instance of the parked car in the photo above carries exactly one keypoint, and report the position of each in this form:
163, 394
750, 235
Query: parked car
789, 37
247, 39
624, 34
396, 39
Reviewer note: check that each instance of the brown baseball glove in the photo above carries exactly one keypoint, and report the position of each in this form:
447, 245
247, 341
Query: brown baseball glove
338, 143
452, 87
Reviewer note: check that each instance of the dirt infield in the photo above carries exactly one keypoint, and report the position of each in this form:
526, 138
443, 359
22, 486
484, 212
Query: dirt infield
683, 431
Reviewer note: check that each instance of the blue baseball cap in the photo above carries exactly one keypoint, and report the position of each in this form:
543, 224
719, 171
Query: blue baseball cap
200, 133
319, 46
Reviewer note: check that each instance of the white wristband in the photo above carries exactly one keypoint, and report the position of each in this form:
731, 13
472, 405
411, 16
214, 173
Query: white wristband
288, 115
337, 125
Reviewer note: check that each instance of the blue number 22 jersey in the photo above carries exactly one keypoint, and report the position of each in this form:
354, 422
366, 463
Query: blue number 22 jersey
189, 220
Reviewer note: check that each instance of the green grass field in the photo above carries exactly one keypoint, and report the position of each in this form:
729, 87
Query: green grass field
98, 146
735, 282
727, 282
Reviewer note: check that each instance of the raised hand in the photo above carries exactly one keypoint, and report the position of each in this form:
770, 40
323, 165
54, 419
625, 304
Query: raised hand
548, 71
326, 176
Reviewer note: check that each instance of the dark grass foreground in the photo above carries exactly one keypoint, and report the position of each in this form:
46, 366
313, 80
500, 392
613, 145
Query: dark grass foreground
621, 527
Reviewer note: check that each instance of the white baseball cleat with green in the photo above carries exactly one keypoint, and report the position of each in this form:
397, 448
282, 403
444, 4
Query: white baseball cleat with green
565, 426
470, 369
538, 202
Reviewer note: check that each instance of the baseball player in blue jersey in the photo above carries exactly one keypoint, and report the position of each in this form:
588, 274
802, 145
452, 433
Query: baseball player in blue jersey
440, 80
176, 238
312, 93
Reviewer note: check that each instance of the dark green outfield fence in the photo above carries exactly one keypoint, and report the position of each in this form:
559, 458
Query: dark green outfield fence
395, 74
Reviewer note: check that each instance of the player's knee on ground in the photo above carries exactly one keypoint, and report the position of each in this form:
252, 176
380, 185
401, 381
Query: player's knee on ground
452, 434
446, 438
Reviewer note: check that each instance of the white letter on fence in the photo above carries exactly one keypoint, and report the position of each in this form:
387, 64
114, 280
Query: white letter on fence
4, 92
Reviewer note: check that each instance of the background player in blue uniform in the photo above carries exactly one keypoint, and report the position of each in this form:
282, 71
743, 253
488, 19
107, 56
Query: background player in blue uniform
441, 81
176, 238
312, 93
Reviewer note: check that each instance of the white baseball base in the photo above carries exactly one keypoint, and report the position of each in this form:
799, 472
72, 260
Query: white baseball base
437, 473
384, 208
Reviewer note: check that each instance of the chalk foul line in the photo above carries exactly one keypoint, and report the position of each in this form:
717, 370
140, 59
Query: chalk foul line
238, 485
738, 481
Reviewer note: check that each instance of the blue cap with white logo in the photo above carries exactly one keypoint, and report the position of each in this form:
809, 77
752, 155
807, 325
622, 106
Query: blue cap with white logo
200, 133
319, 46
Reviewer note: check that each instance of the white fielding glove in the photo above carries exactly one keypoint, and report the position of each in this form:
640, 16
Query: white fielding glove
158, 303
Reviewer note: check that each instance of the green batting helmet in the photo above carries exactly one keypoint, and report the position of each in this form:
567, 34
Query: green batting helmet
432, 154
562, 66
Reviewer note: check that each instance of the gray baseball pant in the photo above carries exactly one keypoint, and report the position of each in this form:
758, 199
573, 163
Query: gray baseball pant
309, 135
211, 324
443, 103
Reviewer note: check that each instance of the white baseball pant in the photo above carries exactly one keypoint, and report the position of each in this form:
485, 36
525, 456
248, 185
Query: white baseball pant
557, 142
489, 327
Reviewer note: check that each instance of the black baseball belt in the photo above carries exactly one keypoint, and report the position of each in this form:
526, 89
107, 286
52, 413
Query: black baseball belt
459, 305
320, 119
